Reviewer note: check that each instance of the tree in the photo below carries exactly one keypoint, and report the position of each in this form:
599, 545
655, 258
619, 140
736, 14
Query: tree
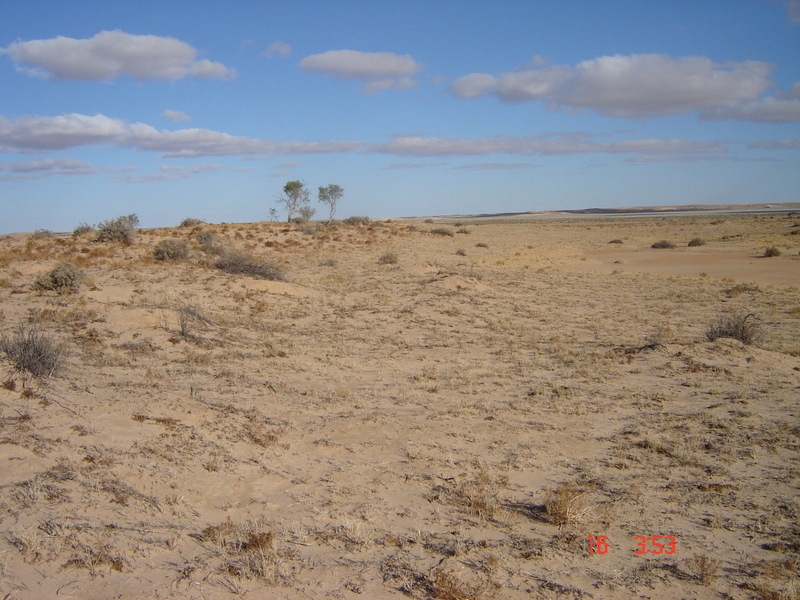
294, 199
330, 195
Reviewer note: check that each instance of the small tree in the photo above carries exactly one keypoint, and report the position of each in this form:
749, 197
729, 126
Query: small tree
295, 197
330, 196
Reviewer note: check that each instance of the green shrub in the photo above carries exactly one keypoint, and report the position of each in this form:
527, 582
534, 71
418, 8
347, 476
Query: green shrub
663, 244
32, 352
243, 264
120, 229
696, 242
771, 251
745, 328
171, 250
64, 278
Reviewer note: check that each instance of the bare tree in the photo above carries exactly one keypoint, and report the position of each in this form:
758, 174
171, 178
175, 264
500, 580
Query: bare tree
294, 199
330, 195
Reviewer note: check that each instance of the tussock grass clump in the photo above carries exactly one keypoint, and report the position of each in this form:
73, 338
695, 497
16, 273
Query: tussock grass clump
702, 567
696, 242
442, 231
64, 278
388, 258
31, 351
663, 244
745, 328
771, 251
120, 229
239, 263
565, 504
171, 250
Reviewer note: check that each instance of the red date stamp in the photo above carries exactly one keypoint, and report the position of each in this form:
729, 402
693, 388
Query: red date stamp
653, 544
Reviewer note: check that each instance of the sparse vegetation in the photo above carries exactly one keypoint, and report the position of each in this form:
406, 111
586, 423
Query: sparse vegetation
171, 250
694, 242
566, 504
388, 258
119, 230
330, 196
743, 327
355, 220
663, 244
190, 222
64, 278
32, 351
42, 234
239, 263
82, 230
442, 231
771, 251
208, 242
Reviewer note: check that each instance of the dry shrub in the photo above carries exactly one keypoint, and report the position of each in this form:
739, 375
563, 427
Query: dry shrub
33, 352
442, 231
242, 264
189, 222
566, 504
246, 550
702, 567
171, 250
745, 328
771, 251
120, 229
445, 585
64, 278
208, 242
663, 244
696, 242
480, 496
388, 258
356, 221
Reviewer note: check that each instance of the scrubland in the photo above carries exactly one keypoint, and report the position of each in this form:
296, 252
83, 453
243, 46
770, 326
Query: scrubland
403, 409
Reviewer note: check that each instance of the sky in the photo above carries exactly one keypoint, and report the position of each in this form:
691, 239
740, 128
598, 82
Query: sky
206, 109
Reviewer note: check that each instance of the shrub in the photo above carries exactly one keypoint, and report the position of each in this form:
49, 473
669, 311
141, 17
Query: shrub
442, 231
696, 242
208, 242
117, 230
64, 278
461, 252
745, 328
189, 222
31, 351
663, 244
82, 229
771, 251
356, 221
243, 264
565, 504
388, 258
171, 250
41, 234
481, 245
616, 241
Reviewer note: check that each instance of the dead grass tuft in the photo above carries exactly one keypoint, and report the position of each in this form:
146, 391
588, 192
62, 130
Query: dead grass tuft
566, 504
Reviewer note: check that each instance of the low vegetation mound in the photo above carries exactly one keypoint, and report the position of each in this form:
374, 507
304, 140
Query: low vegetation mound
239, 263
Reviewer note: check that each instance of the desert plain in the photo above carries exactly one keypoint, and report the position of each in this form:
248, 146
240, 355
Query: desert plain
429, 409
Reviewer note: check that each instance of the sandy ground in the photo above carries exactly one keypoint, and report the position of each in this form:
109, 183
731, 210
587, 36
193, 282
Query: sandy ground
408, 414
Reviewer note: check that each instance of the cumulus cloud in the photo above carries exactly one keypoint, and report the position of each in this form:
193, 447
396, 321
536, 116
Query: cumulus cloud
633, 86
278, 48
175, 116
47, 134
111, 54
410, 145
380, 70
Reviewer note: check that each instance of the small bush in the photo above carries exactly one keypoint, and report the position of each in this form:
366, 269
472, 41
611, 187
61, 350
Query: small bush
663, 244
242, 264
171, 250
189, 222
696, 242
208, 242
31, 351
356, 221
463, 230
481, 245
565, 504
120, 229
442, 231
41, 234
745, 328
388, 258
64, 278
461, 252
82, 229
771, 251
616, 241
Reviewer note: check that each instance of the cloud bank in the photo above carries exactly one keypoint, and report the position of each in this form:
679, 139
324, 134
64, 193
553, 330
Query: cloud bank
641, 85
111, 54
380, 70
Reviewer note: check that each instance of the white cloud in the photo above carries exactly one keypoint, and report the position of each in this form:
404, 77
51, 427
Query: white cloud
278, 48
409, 145
170, 173
632, 86
111, 54
381, 70
494, 166
44, 134
51, 166
175, 116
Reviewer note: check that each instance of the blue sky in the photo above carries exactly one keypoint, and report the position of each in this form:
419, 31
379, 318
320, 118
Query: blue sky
206, 109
